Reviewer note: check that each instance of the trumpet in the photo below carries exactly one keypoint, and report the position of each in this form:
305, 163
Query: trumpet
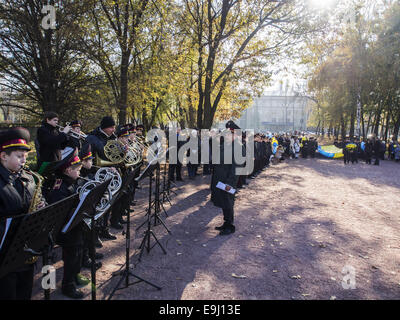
71, 133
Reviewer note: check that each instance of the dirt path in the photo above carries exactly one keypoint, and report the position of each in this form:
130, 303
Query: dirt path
298, 225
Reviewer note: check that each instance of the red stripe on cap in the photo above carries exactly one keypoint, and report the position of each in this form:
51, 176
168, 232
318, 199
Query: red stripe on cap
14, 143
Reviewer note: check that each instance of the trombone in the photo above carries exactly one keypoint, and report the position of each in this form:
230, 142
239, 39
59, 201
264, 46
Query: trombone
71, 133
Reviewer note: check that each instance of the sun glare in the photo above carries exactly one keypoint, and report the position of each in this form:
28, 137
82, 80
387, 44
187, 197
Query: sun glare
322, 4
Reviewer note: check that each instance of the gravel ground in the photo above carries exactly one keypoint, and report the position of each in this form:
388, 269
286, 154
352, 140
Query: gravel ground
298, 224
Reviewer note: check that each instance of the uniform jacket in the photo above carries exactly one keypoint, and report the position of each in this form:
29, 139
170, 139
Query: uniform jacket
98, 139
16, 191
51, 142
64, 187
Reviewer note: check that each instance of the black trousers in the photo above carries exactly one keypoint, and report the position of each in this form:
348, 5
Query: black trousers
206, 169
228, 216
72, 257
88, 247
118, 209
175, 168
17, 285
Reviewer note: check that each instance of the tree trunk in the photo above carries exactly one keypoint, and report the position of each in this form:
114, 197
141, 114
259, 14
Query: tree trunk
377, 122
352, 119
396, 127
343, 124
387, 125
123, 98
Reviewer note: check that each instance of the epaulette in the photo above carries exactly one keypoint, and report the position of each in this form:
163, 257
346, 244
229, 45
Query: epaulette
57, 184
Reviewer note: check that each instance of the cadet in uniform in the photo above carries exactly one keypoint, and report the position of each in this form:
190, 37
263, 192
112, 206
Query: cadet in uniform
97, 139
17, 187
67, 173
88, 172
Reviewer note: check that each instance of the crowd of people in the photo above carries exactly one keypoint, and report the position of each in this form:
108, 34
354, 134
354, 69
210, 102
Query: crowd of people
371, 148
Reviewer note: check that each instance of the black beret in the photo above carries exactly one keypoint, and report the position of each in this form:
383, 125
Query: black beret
107, 122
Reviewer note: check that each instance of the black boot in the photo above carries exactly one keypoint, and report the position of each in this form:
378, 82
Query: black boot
221, 227
117, 226
227, 230
88, 264
98, 243
99, 256
71, 292
106, 235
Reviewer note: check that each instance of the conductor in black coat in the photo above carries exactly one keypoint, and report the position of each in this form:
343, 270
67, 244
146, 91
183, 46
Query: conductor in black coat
225, 173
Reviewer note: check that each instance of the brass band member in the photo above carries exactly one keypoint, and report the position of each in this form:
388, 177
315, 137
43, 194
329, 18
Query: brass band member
87, 172
68, 171
116, 219
75, 143
98, 139
50, 141
17, 187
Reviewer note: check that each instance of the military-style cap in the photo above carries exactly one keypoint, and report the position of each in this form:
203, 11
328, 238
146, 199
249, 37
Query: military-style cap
69, 158
231, 125
75, 123
14, 138
86, 152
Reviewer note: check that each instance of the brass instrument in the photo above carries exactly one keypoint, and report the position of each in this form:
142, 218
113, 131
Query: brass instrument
139, 145
36, 200
115, 151
105, 201
37, 195
103, 174
73, 134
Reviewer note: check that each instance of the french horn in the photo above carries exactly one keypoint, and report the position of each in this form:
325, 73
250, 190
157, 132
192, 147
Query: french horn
103, 174
104, 202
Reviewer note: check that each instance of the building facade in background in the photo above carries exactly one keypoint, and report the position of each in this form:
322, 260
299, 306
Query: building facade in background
279, 109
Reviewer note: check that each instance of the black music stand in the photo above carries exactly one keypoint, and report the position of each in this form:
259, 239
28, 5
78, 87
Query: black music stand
166, 181
87, 208
129, 188
33, 235
157, 203
149, 232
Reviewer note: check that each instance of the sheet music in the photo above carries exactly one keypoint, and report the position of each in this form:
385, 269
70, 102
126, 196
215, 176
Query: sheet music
222, 186
8, 223
66, 227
